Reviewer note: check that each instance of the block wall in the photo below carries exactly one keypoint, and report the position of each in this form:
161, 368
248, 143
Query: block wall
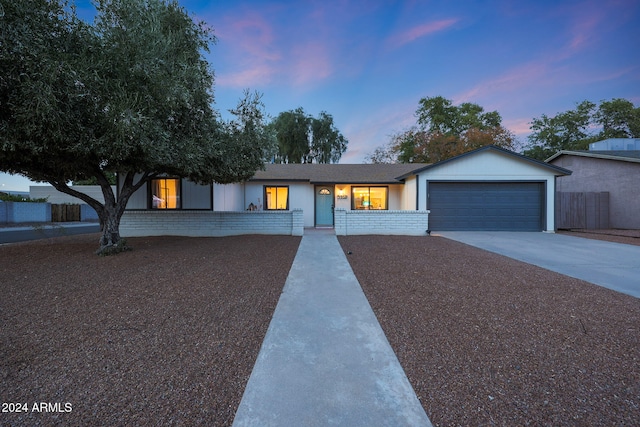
16, 212
210, 223
87, 213
396, 222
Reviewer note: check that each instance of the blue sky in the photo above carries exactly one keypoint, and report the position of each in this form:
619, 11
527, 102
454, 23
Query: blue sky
368, 63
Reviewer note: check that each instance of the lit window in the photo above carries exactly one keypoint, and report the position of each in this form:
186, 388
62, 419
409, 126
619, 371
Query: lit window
369, 198
165, 193
277, 198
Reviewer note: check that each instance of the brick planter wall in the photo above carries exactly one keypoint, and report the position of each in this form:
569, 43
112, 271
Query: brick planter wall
408, 223
211, 224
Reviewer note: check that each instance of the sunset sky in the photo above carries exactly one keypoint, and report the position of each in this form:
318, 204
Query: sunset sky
368, 63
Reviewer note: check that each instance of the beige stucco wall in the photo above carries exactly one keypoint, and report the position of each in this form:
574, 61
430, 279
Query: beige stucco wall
228, 197
621, 179
302, 196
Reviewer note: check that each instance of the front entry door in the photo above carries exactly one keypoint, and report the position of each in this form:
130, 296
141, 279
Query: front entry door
324, 206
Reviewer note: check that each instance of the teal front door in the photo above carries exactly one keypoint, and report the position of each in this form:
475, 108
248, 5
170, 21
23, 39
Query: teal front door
324, 206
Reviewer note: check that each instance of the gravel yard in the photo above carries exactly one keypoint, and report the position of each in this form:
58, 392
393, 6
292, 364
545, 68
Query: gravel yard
487, 340
166, 334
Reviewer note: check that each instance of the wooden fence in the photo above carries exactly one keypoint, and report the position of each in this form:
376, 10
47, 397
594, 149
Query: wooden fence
582, 210
65, 213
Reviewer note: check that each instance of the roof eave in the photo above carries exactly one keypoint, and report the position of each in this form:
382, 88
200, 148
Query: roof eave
356, 182
593, 156
560, 170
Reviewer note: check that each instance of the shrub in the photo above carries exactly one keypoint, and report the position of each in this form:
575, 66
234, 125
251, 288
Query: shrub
17, 198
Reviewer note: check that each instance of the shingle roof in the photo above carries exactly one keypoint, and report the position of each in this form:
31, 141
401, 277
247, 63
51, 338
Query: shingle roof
621, 155
337, 173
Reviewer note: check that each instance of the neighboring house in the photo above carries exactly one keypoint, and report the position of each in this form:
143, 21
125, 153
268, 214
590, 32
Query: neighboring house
617, 144
614, 172
57, 197
486, 189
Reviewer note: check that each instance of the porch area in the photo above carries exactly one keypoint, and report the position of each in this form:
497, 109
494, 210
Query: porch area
195, 223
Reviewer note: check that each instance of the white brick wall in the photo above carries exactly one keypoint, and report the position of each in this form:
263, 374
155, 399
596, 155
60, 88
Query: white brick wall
210, 223
411, 223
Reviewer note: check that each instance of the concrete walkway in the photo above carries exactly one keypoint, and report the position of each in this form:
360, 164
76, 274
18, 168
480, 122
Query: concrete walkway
325, 360
611, 265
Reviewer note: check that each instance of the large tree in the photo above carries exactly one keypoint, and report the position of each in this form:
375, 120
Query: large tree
443, 131
130, 93
302, 138
618, 118
588, 122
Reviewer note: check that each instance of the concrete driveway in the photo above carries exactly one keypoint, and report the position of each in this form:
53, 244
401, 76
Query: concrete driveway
611, 265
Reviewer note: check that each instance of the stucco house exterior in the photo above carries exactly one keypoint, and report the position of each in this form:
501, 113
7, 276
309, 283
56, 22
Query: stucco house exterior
615, 172
486, 189
489, 189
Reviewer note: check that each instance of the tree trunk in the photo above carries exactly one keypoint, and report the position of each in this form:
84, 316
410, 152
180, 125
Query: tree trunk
111, 211
110, 242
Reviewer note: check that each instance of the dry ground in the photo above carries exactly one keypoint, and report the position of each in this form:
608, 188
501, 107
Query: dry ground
486, 340
629, 237
166, 334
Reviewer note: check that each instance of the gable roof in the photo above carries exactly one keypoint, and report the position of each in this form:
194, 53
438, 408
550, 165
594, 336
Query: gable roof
492, 148
314, 173
620, 155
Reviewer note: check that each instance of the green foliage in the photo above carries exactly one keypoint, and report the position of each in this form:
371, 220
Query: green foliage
292, 133
576, 129
327, 143
130, 93
241, 144
618, 119
439, 115
17, 198
444, 131
302, 138
111, 177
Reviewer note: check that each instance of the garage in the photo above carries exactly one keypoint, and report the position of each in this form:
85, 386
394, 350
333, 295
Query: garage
487, 206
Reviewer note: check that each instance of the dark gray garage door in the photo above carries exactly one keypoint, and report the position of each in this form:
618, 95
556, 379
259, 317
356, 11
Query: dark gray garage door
490, 206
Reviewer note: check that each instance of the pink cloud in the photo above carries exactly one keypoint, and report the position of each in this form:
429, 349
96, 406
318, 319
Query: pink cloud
526, 75
260, 52
248, 77
251, 45
311, 62
519, 126
254, 36
419, 31
589, 21
374, 128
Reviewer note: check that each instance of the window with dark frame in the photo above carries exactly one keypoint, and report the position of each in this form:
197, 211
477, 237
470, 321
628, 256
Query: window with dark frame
276, 197
370, 198
165, 193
